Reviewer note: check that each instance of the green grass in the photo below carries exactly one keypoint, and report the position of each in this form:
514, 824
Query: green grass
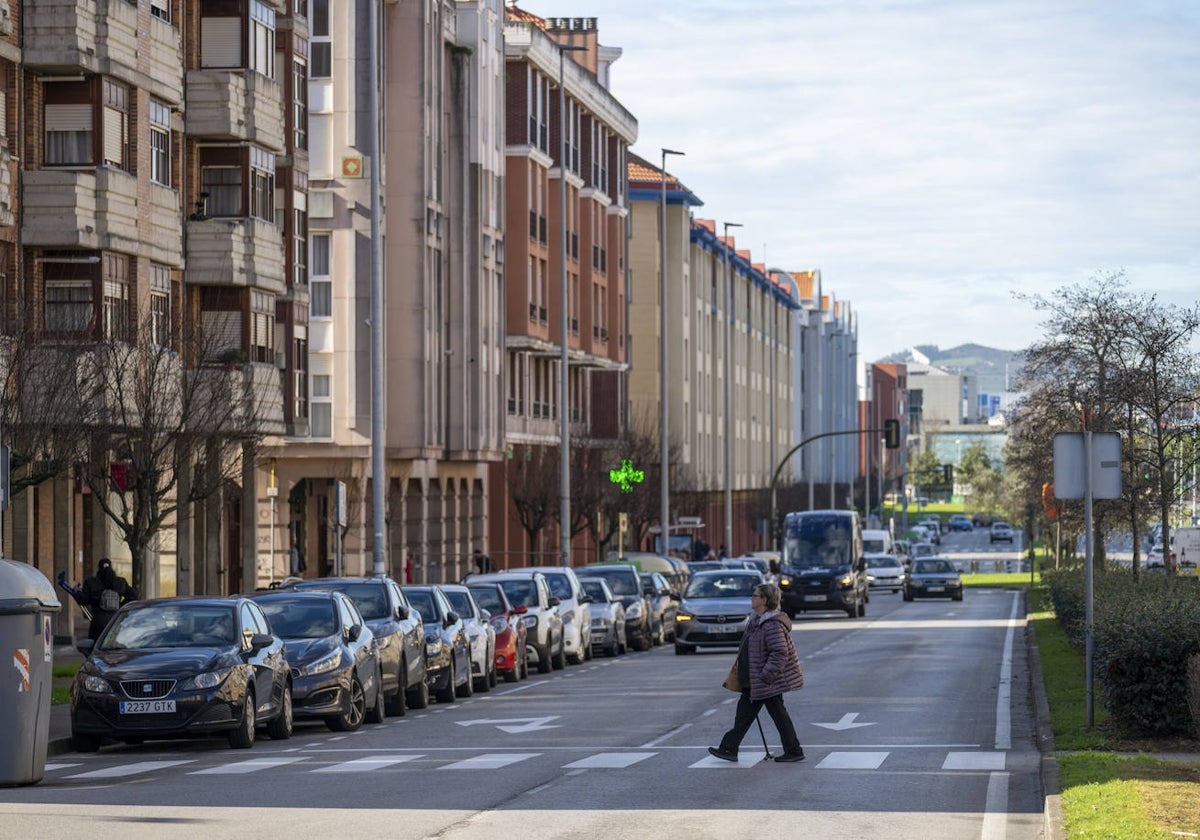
60, 685
1008, 580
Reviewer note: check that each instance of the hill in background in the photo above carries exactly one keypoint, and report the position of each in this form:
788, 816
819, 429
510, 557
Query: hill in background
993, 369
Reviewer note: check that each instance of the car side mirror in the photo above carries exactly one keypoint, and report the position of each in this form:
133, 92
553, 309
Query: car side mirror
353, 632
401, 613
586, 599
520, 609
85, 646
554, 602
259, 641
451, 618
675, 596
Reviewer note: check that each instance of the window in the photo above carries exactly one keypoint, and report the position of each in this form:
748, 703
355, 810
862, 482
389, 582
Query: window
161, 9
322, 407
68, 124
300, 371
262, 327
262, 184
262, 39
320, 49
116, 123
225, 174
300, 241
223, 184
320, 290
160, 143
68, 305
116, 297
160, 305
299, 104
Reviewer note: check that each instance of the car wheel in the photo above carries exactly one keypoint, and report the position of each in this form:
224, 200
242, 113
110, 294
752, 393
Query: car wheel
513, 674
559, 660
587, 651
683, 650
484, 683
418, 695
524, 665
468, 686
85, 743
280, 728
862, 609
544, 666
351, 717
493, 675
446, 695
395, 705
957, 596
242, 737
908, 596
614, 647
377, 713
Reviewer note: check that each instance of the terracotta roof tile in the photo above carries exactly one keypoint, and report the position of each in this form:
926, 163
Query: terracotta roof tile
709, 225
643, 171
511, 12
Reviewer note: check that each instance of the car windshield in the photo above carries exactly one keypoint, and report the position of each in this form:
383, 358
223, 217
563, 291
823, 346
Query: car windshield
882, 562
921, 549
173, 626
620, 580
301, 618
522, 592
370, 598
488, 597
722, 586
422, 601
595, 589
460, 601
560, 587
932, 567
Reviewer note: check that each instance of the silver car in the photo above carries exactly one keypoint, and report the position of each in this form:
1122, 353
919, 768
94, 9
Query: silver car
608, 617
714, 609
884, 571
480, 632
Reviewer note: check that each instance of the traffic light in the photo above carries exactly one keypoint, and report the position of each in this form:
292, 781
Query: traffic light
891, 434
948, 473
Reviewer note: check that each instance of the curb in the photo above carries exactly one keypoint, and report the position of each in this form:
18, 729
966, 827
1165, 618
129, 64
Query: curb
1052, 817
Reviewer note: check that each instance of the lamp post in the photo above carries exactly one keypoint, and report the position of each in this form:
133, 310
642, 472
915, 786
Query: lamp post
564, 391
728, 368
379, 481
664, 513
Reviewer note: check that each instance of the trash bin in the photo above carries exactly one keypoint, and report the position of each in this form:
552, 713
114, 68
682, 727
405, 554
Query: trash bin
27, 605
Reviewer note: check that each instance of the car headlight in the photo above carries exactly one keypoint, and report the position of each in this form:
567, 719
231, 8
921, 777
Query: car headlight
206, 680
845, 580
325, 664
96, 685
569, 618
530, 621
634, 611
601, 622
499, 623
785, 581
680, 616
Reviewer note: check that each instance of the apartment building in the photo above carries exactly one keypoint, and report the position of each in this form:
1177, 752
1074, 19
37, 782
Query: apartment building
885, 390
585, 162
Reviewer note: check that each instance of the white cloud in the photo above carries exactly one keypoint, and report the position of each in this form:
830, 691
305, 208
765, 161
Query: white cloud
929, 157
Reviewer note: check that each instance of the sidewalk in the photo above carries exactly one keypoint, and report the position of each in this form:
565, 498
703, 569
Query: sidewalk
59, 741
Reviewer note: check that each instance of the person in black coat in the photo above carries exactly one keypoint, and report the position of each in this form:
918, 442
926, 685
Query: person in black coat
103, 594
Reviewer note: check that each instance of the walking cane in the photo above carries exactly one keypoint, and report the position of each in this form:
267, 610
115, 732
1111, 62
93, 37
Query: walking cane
767, 749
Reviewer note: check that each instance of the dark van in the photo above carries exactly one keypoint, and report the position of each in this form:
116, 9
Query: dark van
822, 565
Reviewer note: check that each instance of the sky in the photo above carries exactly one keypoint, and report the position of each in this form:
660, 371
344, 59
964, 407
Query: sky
934, 159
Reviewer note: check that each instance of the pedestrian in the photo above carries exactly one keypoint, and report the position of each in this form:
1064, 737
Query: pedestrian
296, 565
103, 594
766, 667
721, 552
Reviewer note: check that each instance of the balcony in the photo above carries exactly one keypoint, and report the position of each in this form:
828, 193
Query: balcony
239, 399
101, 36
235, 252
80, 208
165, 243
8, 198
235, 105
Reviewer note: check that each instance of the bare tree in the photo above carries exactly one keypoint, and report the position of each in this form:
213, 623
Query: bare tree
533, 487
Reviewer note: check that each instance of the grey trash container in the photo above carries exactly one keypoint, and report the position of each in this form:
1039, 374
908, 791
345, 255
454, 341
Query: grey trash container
27, 605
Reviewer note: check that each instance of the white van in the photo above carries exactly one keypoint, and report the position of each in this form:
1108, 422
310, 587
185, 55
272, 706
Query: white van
877, 541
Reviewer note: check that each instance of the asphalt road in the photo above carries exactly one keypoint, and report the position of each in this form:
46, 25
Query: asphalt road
915, 720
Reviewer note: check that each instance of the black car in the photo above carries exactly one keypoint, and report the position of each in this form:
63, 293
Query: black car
933, 577
625, 583
176, 667
662, 602
447, 653
336, 673
399, 636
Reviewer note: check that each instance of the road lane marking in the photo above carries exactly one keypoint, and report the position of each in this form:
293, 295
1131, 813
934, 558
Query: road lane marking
52, 767
995, 809
746, 758
609, 761
661, 738
122, 770
253, 765
852, 761
489, 761
1004, 693
974, 761
371, 762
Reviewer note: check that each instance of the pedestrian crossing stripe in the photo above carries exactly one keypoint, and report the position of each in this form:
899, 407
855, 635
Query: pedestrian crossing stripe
123, 770
371, 762
489, 761
610, 761
251, 766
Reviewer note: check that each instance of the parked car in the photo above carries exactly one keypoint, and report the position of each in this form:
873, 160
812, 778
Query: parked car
960, 522
399, 636
884, 571
1154, 558
543, 624
176, 667
662, 600
572, 608
715, 609
695, 566
1000, 532
608, 617
625, 583
447, 657
933, 577
508, 622
480, 633
337, 675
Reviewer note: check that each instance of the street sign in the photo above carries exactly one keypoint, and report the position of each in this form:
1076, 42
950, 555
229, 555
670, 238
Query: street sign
1069, 465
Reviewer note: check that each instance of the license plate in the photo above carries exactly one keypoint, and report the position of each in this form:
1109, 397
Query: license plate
147, 707
816, 598
935, 589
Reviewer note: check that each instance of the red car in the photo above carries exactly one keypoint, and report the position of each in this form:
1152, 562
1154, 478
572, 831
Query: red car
511, 660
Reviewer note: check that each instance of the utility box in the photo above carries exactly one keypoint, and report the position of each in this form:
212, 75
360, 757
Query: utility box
27, 607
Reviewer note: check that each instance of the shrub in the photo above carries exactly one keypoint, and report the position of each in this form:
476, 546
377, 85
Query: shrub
1193, 692
1144, 632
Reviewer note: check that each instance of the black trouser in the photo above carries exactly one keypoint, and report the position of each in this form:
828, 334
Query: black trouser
747, 711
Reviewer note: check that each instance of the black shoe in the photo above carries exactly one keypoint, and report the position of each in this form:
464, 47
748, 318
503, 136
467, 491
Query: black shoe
722, 754
796, 756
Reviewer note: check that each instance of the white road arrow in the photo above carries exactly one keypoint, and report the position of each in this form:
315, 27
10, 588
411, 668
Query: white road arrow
847, 722
516, 725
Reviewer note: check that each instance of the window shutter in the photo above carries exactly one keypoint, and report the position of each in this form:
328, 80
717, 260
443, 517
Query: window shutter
69, 117
224, 331
221, 42
114, 137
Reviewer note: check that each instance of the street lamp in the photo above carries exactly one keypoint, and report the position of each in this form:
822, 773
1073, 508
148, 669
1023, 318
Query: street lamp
729, 302
664, 449
564, 412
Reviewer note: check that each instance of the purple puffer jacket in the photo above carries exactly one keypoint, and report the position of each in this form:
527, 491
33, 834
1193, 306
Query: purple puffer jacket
774, 667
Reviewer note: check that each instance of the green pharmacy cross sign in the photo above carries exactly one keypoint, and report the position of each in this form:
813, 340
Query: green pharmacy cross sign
627, 476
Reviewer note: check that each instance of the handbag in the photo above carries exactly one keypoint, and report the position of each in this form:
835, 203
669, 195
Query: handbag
732, 681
